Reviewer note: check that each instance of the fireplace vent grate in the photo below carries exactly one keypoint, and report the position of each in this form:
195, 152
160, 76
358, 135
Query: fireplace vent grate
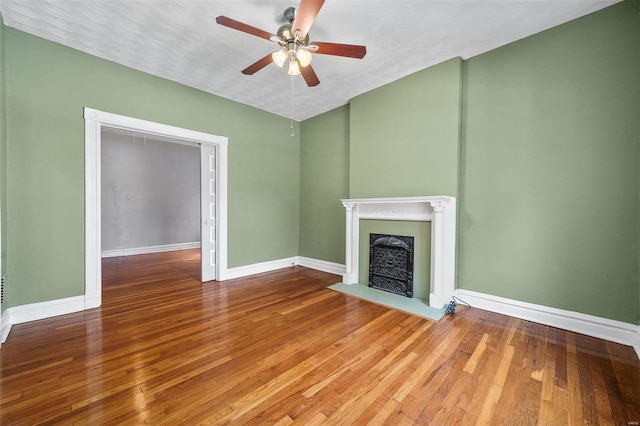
391, 263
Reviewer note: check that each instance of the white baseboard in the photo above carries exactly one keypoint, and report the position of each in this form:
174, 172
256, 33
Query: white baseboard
258, 268
602, 328
149, 249
93, 301
322, 265
272, 265
52, 308
40, 310
48, 309
6, 326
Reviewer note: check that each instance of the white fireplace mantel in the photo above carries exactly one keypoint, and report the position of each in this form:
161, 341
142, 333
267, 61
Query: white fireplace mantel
439, 210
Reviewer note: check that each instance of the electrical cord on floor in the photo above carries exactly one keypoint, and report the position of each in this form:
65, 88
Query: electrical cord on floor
451, 307
460, 301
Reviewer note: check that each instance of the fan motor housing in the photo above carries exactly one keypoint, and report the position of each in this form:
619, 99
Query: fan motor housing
284, 33
290, 14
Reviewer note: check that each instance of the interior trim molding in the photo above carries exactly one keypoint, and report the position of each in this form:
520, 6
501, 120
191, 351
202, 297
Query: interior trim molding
273, 265
258, 268
6, 326
95, 120
52, 308
40, 310
322, 265
149, 249
602, 328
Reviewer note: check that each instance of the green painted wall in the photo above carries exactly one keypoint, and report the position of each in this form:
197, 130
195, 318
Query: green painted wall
405, 135
421, 233
549, 171
324, 180
47, 87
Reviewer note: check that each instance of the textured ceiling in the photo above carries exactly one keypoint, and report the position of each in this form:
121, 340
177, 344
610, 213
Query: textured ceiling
179, 40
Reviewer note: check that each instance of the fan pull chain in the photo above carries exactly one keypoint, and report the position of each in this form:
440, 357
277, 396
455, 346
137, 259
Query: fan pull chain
292, 134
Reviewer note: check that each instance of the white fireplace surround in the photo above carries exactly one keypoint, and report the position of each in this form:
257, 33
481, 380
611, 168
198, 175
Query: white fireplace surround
439, 210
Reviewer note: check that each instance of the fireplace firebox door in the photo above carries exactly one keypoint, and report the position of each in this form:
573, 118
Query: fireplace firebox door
391, 263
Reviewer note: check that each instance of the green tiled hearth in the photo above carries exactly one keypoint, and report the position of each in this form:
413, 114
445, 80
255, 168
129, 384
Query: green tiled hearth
410, 305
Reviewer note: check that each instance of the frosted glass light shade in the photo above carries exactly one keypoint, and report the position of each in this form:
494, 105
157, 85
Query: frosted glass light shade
279, 57
304, 57
294, 68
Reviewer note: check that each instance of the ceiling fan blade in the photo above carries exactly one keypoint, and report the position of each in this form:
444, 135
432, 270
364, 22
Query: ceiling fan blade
305, 15
338, 49
257, 66
309, 76
240, 26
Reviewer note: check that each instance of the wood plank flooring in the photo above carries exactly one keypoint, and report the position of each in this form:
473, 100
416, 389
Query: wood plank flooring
281, 348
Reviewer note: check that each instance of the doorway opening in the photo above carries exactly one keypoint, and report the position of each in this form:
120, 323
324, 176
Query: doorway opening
150, 194
213, 221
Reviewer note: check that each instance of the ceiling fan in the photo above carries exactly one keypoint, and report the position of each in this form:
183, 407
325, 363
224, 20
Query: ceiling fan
293, 41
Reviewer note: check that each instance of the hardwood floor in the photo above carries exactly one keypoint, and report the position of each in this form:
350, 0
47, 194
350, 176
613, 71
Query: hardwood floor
280, 348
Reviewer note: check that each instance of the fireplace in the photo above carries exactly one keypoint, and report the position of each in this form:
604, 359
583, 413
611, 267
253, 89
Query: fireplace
391, 263
439, 210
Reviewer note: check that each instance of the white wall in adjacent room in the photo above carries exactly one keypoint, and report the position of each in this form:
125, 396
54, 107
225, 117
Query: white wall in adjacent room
150, 192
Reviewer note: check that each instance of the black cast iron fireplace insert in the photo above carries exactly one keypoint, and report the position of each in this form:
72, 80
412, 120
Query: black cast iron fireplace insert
391, 263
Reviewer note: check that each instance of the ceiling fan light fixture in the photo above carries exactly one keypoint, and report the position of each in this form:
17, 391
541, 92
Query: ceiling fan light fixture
304, 57
294, 68
279, 57
293, 42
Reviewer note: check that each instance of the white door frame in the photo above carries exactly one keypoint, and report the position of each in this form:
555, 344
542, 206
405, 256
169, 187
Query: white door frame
208, 217
94, 122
